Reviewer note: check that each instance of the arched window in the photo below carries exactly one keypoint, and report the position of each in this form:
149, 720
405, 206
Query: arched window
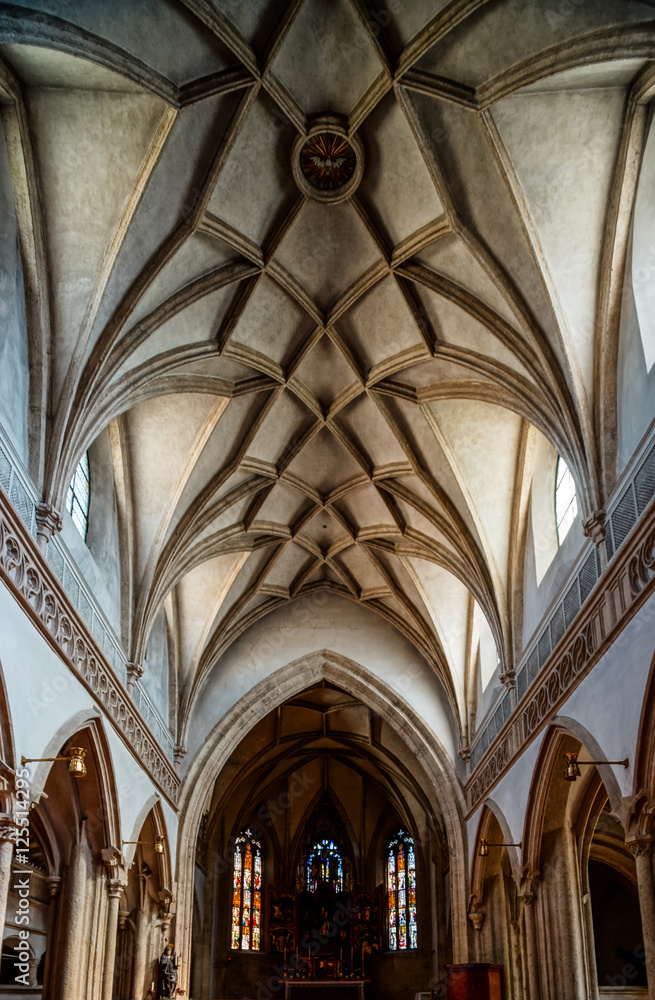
324, 866
77, 500
401, 892
247, 892
566, 500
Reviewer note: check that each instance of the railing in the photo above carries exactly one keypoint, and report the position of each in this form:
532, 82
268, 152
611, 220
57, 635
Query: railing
634, 492
18, 486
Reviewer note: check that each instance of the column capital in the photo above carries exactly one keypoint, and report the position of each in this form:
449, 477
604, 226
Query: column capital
8, 828
595, 526
134, 673
115, 887
640, 845
54, 885
179, 752
477, 916
48, 522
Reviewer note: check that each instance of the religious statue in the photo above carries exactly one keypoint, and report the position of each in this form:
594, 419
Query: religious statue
167, 985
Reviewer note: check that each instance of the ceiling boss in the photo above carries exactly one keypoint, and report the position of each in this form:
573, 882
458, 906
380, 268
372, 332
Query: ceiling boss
327, 162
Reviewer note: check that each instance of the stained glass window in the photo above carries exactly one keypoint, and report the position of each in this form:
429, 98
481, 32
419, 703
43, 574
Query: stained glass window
247, 893
566, 500
401, 892
325, 865
77, 499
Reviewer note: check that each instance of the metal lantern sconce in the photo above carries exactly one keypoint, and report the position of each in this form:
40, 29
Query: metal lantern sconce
158, 843
572, 770
485, 845
76, 762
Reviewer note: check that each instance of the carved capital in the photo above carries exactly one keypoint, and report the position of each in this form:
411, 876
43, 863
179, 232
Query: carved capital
8, 828
477, 916
54, 885
48, 521
115, 887
134, 673
123, 917
640, 846
508, 679
112, 858
178, 753
595, 526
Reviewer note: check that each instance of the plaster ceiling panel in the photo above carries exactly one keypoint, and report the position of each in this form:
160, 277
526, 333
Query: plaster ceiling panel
327, 61
284, 425
292, 561
157, 484
283, 505
89, 147
325, 372
399, 21
577, 134
196, 324
171, 191
364, 506
225, 521
361, 568
296, 719
371, 433
449, 256
417, 522
327, 249
325, 575
198, 255
239, 415
272, 323
256, 180
396, 181
163, 35
431, 457
454, 325
255, 19
447, 603
248, 578
200, 595
520, 31
324, 463
322, 530
380, 325
482, 194
40, 67
483, 442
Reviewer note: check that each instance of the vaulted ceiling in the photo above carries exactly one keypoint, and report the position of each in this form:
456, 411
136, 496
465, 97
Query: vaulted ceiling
307, 395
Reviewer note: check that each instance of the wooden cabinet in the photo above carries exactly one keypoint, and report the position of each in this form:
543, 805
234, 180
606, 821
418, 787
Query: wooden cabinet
475, 982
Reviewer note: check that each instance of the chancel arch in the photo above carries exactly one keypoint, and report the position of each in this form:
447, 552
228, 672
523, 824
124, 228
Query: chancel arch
357, 737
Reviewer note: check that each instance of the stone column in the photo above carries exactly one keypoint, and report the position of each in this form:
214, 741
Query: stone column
531, 944
140, 952
114, 891
134, 673
642, 848
8, 835
77, 886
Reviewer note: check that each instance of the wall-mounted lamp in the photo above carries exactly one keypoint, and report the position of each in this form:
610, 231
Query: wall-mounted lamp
572, 770
76, 764
485, 845
158, 843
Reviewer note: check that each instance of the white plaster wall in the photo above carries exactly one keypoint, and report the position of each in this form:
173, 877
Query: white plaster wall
44, 695
322, 621
607, 704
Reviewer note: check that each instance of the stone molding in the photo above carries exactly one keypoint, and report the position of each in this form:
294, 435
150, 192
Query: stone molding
24, 570
619, 594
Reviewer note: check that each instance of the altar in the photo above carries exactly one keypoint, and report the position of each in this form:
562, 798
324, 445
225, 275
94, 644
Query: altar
324, 989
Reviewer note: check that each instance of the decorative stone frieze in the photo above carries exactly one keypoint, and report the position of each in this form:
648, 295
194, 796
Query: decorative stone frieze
622, 590
24, 570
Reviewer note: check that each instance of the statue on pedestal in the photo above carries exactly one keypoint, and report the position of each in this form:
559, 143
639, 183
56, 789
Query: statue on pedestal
167, 985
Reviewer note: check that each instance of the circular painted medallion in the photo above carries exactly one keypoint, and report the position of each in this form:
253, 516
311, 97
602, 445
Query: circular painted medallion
327, 160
